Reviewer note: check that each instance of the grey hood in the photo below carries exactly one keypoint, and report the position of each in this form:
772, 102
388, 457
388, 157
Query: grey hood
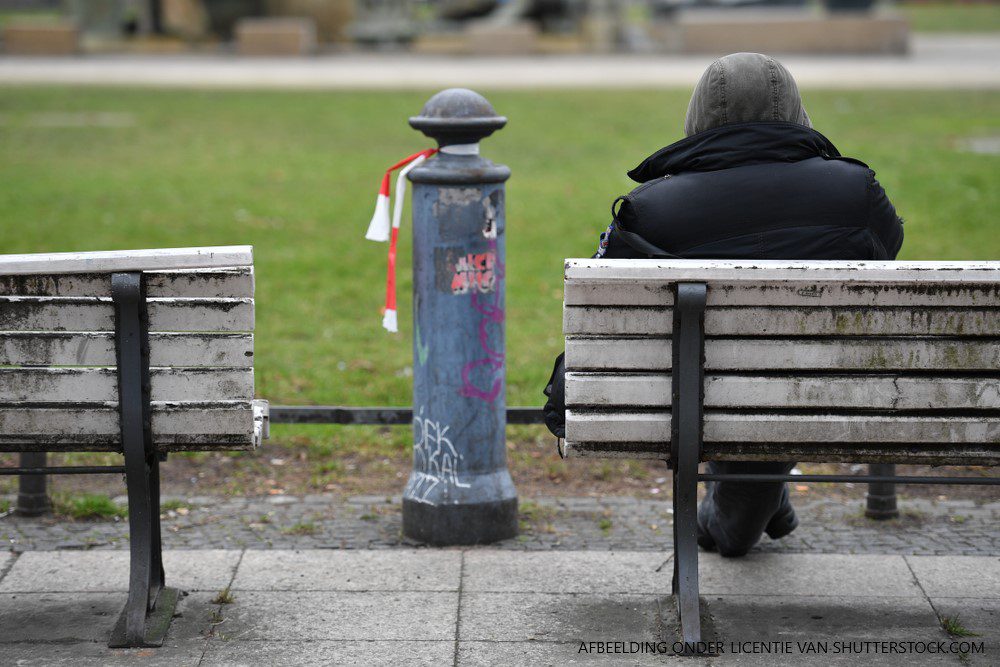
744, 88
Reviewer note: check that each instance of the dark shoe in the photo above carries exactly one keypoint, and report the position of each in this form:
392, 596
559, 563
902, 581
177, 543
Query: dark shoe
783, 522
734, 553
705, 540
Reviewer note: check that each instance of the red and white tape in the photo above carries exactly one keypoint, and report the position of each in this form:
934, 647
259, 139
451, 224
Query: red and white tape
382, 229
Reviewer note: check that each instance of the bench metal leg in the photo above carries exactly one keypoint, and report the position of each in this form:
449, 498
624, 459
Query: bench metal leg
685, 582
136, 627
686, 426
32, 496
880, 503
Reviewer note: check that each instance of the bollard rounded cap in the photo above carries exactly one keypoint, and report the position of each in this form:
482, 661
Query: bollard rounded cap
458, 116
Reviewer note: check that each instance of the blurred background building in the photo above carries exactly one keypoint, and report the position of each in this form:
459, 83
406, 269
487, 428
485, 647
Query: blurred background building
461, 27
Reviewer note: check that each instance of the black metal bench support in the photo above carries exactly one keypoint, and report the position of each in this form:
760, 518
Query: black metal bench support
880, 502
150, 606
32, 495
687, 401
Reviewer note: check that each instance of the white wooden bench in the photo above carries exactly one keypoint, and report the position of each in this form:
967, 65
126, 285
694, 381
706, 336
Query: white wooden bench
141, 352
691, 360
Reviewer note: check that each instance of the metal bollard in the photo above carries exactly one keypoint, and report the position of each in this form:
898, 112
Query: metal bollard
881, 498
32, 497
460, 491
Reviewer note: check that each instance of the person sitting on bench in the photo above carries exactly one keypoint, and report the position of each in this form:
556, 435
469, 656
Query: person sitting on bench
751, 180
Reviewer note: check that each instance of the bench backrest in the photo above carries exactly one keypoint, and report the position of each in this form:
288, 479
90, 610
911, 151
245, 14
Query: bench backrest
58, 377
814, 361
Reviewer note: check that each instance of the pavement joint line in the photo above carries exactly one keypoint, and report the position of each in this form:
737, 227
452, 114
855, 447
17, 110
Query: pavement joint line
923, 592
313, 640
808, 595
69, 641
9, 566
458, 610
229, 587
320, 590
662, 565
579, 593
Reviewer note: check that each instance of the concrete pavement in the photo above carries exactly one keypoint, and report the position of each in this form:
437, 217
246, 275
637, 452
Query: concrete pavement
940, 61
487, 606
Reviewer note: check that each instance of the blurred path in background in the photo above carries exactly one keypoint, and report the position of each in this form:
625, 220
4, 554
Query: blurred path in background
941, 61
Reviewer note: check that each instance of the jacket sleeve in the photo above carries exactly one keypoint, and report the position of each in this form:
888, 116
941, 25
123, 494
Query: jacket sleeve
555, 406
883, 221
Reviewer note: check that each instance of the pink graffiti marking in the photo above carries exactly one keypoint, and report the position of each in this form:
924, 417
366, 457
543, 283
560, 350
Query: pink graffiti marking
492, 314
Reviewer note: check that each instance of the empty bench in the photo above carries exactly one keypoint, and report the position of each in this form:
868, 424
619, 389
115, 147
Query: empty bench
689, 361
140, 352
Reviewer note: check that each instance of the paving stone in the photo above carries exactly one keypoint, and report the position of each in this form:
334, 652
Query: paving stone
340, 615
869, 659
316, 653
787, 623
6, 560
81, 617
88, 617
538, 653
61, 571
99, 655
744, 618
957, 576
282, 500
558, 617
326, 569
193, 620
578, 572
978, 615
806, 574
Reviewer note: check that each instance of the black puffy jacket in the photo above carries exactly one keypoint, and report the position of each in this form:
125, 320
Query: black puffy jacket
764, 190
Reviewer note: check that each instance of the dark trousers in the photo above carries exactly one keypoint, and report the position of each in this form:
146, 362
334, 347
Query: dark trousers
734, 515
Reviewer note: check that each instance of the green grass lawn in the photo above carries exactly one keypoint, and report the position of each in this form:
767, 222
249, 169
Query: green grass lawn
295, 174
952, 17
8, 16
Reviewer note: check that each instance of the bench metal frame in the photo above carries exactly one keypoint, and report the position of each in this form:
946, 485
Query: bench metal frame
150, 607
687, 410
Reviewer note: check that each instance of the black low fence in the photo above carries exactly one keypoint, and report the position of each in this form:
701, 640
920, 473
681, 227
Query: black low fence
334, 414
33, 498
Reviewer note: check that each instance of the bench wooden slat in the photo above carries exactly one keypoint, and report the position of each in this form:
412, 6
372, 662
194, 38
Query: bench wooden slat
175, 426
727, 427
86, 385
920, 454
618, 450
933, 454
234, 282
98, 349
758, 271
834, 392
127, 260
805, 322
82, 314
58, 380
928, 354
806, 360
610, 292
